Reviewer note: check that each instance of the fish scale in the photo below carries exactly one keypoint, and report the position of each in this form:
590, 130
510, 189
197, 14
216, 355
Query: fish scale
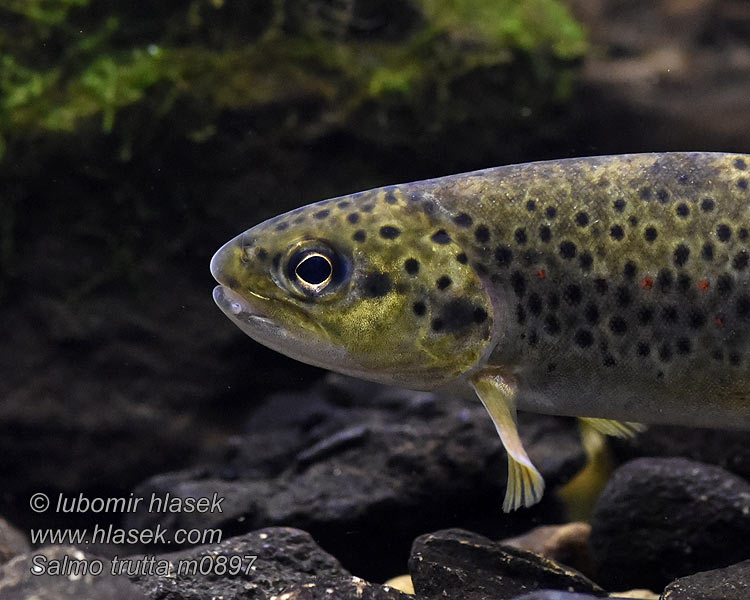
613, 288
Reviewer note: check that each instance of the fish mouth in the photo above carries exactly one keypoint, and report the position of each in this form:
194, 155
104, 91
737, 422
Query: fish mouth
237, 308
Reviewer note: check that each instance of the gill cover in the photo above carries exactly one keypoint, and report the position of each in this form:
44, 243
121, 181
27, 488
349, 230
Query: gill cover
371, 285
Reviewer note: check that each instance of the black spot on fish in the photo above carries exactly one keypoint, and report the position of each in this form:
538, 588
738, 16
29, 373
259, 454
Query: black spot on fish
353, 218
681, 255
662, 195
572, 294
683, 283
643, 349
609, 360
743, 306
707, 204
443, 283
437, 325
545, 234
717, 355
734, 359
586, 261
664, 280
633, 220
568, 250
322, 214
582, 219
419, 309
665, 352
742, 234
645, 315
683, 210
367, 208
411, 265
623, 296
359, 235
518, 281
533, 338
645, 193
619, 205
462, 258
723, 232
390, 197
531, 206
618, 326
441, 237
343, 204
629, 270
551, 212
739, 262
696, 319
458, 314
281, 226
650, 234
389, 232
551, 325
591, 312
520, 235
482, 234
503, 256
480, 315
520, 314
742, 184
683, 346
724, 284
707, 252
616, 232
376, 285
262, 254
535, 304
669, 313
740, 164
600, 285
463, 220
583, 338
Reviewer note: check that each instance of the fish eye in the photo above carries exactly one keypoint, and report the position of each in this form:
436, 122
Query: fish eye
314, 271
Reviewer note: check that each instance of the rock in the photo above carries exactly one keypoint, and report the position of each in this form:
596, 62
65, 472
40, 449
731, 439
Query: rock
455, 563
555, 595
360, 467
18, 583
730, 583
276, 562
727, 449
567, 544
663, 518
12, 542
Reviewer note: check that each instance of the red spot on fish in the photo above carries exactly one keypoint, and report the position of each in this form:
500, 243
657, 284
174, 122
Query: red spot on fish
719, 321
647, 283
704, 284
541, 274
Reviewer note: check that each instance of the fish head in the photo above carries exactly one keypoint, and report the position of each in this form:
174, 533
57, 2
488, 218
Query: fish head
368, 285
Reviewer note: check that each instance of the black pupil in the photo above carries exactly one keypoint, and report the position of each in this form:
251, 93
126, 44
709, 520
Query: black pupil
314, 269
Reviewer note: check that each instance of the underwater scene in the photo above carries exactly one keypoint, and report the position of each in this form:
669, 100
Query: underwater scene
378, 299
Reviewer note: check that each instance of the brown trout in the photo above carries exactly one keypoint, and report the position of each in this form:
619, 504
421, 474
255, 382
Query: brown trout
615, 289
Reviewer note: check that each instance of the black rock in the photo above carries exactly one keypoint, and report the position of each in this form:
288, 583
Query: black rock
459, 564
727, 449
17, 582
12, 541
663, 518
267, 563
730, 583
366, 468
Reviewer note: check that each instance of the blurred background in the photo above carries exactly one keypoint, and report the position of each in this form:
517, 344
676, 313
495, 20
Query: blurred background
137, 137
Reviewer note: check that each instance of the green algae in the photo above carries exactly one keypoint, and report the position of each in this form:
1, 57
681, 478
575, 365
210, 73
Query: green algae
103, 64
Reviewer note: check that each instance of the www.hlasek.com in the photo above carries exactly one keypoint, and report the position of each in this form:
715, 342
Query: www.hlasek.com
78, 564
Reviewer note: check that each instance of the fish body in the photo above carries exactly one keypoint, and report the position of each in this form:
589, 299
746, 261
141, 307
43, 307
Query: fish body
613, 287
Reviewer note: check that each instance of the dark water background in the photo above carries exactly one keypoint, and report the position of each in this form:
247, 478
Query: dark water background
138, 137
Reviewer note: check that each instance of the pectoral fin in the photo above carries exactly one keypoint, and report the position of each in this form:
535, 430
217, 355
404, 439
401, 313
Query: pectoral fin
621, 429
525, 484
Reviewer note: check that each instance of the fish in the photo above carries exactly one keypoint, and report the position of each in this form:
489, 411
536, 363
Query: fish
615, 289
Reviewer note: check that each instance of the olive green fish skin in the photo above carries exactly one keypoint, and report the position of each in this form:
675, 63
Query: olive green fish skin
614, 287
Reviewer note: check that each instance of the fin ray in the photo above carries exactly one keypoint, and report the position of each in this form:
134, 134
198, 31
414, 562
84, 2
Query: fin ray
621, 429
